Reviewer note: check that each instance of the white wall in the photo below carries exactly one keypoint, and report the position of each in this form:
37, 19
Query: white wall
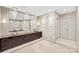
4, 21
0, 21
43, 26
51, 26
48, 26
77, 32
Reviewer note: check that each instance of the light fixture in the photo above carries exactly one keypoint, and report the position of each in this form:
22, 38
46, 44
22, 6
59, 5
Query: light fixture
65, 9
4, 20
38, 23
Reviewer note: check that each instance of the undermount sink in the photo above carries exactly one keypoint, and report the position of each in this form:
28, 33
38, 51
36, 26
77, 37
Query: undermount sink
14, 33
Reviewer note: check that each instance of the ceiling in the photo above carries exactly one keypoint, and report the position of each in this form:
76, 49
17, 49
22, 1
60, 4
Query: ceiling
40, 10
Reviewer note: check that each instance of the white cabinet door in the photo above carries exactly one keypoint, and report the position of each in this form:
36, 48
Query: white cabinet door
12, 14
26, 17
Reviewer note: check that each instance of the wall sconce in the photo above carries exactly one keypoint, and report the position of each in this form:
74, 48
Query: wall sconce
65, 9
38, 23
4, 21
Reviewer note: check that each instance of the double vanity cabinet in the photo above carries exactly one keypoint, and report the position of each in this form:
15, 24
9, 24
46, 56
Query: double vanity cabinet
13, 41
18, 24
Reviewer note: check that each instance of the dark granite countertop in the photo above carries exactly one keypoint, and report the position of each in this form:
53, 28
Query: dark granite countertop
17, 34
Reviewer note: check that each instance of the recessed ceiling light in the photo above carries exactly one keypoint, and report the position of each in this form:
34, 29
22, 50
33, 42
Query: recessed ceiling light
65, 9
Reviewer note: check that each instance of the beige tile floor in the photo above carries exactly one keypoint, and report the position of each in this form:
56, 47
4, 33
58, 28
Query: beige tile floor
44, 46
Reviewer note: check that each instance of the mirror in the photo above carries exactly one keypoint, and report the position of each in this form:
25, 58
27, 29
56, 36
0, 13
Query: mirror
19, 21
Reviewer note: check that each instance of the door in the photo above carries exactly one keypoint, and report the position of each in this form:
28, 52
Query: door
58, 29
68, 27
71, 29
64, 28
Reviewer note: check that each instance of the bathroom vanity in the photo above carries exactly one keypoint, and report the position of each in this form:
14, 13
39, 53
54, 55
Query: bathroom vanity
17, 28
13, 41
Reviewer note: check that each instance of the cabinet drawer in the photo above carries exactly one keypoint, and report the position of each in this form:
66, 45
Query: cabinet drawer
4, 39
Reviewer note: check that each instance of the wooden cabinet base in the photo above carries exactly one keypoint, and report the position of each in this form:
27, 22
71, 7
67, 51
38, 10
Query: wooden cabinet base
10, 42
